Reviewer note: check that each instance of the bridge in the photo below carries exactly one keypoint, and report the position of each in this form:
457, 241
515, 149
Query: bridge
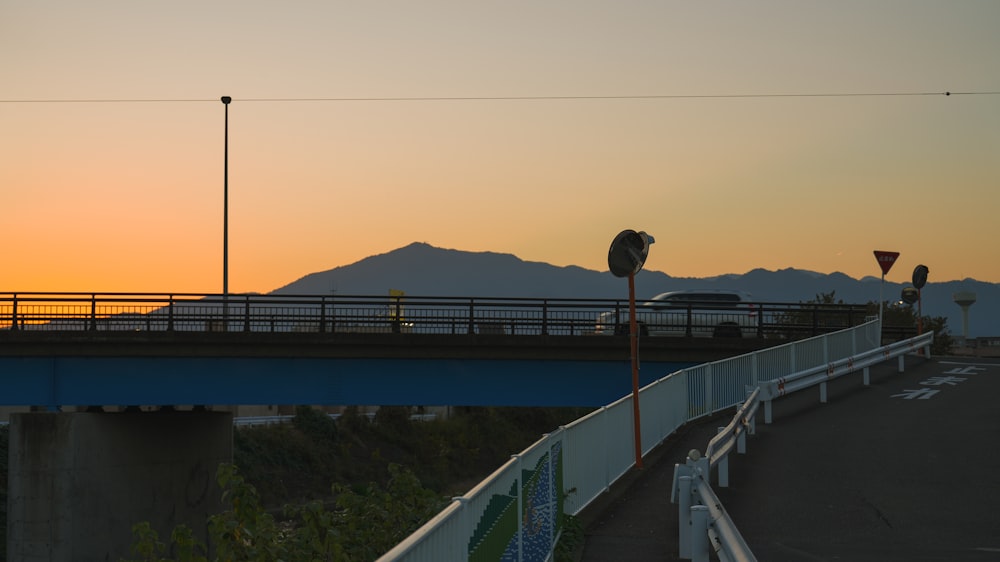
60, 351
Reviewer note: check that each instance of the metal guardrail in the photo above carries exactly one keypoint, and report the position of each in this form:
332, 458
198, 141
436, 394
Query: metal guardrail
368, 314
702, 520
515, 513
821, 375
732, 436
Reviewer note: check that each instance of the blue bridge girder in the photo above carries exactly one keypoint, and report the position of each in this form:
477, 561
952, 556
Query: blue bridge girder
52, 369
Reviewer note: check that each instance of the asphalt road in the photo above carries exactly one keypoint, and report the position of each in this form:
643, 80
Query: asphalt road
907, 468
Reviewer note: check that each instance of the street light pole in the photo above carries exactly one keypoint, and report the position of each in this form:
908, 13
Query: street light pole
225, 221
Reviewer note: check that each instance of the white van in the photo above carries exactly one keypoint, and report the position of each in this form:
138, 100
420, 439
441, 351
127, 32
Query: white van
713, 313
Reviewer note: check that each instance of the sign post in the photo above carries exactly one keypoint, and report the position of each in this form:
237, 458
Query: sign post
625, 258
919, 280
885, 261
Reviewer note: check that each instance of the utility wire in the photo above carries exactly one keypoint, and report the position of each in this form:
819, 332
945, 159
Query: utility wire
515, 98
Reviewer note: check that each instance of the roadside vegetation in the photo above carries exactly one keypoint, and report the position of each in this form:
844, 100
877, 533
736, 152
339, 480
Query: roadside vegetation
347, 489
899, 321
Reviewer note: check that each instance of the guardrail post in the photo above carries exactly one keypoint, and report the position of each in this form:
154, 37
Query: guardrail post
13, 318
472, 316
684, 530
699, 533
767, 411
246, 313
545, 318
822, 393
867, 376
170, 313
901, 358
322, 314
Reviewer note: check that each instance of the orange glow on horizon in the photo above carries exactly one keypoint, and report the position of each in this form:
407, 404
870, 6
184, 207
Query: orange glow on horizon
127, 196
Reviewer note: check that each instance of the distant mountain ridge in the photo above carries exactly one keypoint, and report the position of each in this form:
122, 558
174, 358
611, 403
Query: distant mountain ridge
420, 269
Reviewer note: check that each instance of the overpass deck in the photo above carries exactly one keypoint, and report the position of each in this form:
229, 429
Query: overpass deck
905, 469
84, 368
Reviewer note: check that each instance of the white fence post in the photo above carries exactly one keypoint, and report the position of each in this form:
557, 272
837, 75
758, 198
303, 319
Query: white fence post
709, 403
699, 533
684, 514
465, 518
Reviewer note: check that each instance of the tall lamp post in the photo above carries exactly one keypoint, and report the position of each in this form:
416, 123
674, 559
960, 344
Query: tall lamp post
225, 220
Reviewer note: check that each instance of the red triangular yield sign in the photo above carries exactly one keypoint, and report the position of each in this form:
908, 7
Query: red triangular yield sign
885, 260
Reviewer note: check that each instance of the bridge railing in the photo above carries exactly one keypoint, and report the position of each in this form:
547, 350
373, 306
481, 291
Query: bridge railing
508, 515
366, 314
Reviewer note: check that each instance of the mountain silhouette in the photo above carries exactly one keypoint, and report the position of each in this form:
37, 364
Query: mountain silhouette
420, 269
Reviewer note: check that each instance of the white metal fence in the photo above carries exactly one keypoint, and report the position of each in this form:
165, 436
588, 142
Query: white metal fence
516, 513
703, 523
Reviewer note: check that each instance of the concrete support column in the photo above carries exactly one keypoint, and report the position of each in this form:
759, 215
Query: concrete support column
79, 481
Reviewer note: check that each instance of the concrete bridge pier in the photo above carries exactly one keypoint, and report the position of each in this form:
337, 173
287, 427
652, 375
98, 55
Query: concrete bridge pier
77, 482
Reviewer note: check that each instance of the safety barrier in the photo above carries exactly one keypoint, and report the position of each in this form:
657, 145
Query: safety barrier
702, 519
517, 513
372, 314
821, 374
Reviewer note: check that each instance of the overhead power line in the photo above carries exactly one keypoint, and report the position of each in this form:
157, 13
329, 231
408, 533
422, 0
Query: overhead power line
510, 98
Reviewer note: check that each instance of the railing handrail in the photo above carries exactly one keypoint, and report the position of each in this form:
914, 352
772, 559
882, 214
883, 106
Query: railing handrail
602, 457
810, 377
235, 298
692, 479
314, 312
733, 434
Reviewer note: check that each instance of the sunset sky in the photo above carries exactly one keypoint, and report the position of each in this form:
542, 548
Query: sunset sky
741, 135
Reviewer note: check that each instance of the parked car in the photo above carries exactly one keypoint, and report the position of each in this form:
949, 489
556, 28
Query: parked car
714, 313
